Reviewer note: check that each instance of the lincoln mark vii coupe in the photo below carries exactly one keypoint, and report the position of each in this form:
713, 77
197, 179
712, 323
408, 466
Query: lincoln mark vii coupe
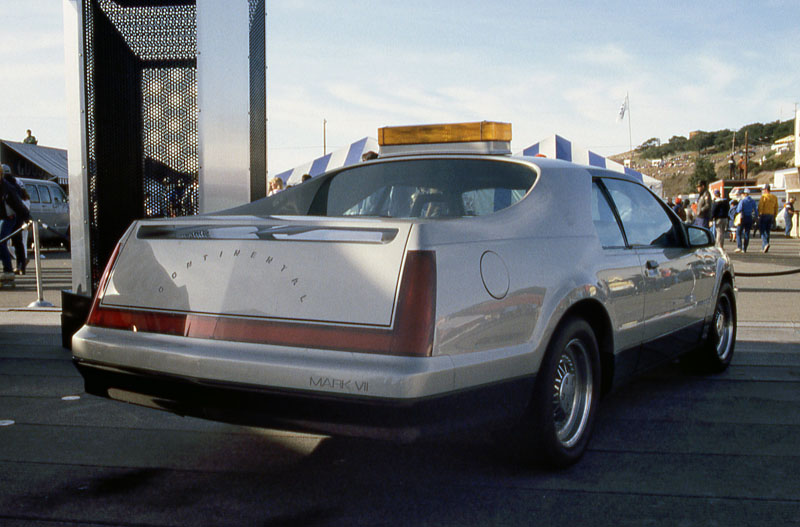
446, 284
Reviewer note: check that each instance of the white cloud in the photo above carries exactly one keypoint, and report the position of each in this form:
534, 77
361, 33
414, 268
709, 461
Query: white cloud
605, 55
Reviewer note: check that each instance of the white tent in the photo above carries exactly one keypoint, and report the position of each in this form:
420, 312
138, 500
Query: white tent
349, 155
556, 147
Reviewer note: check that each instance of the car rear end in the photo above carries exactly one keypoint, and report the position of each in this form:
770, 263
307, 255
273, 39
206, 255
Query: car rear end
314, 310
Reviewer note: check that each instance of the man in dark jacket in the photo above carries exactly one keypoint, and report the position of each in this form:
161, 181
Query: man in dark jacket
748, 209
16, 242
12, 212
704, 201
719, 214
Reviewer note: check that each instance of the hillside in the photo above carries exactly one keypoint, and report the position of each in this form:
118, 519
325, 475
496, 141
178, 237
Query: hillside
675, 160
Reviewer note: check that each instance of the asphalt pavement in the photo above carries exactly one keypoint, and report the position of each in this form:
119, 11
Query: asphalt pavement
672, 448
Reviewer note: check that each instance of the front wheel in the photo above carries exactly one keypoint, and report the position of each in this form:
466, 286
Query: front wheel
716, 351
557, 427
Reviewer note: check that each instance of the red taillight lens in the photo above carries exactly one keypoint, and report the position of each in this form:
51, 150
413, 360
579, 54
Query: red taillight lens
101, 287
416, 306
412, 334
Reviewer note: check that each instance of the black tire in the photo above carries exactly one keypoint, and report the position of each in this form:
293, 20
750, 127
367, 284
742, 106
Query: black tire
716, 351
556, 429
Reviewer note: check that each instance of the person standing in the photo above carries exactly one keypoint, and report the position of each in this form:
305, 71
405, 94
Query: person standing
788, 211
731, 218
704, 201
746, 208
767, 210
719, 214
11, 211
18, 241
30, 139
678, 208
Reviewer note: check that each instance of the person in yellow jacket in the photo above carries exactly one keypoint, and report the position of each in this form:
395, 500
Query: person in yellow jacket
767, 210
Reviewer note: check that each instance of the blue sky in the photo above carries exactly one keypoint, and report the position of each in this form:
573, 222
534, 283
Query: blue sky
546, 67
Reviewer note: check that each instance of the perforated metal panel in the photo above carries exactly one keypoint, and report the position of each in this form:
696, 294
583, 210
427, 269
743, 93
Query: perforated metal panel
141, 116
155, 30
258, 99
169, 129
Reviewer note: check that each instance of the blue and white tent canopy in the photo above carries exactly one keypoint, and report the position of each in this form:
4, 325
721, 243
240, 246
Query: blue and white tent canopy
556, 147
346, 156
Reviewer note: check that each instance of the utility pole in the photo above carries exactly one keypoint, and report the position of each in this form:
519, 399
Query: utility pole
746, 153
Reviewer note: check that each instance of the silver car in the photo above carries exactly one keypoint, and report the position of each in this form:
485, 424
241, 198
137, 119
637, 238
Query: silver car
50, 206
444, 285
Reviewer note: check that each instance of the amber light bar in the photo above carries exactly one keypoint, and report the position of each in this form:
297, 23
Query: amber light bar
412, 334
444, 133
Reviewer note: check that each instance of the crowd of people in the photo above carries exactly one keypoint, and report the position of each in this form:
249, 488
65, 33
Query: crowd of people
746, 215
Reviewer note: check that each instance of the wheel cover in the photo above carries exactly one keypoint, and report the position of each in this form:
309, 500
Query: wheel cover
572, 393
723, 327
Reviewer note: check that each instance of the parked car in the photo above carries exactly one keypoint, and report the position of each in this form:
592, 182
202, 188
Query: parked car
49, 204
443, 286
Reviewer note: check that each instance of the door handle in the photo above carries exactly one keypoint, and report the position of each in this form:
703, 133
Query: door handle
651, 264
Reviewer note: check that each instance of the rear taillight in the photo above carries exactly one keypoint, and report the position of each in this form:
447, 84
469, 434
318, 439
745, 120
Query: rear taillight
101, 287
411, 335
416, 306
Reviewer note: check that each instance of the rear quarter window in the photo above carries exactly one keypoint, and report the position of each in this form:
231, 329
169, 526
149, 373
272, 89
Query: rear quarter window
33, 192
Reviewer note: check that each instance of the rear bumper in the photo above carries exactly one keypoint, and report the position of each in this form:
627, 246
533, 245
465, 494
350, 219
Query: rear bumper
395, 419
327, 392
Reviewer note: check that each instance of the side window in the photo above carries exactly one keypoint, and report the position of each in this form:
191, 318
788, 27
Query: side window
645, 221
604, 221
44, 194
33, 192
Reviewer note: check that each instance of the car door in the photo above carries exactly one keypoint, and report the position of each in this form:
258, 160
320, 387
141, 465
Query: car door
670, 304
60, 220
620, 276
46, 204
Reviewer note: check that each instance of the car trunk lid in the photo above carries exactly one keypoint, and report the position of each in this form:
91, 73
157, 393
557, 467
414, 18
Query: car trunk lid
338, 271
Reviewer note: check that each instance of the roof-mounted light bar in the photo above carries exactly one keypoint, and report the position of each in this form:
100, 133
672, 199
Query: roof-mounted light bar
484, 137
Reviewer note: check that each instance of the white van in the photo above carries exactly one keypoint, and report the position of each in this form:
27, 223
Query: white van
49, 204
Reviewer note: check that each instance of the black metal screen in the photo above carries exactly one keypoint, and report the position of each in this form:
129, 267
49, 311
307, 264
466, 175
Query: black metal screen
258, 100
141, 121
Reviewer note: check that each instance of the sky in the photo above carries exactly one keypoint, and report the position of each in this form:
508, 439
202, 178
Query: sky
546, 67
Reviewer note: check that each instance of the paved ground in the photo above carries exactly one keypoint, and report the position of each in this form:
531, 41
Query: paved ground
670, 449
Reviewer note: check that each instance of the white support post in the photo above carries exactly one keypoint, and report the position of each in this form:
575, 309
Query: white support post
40, 302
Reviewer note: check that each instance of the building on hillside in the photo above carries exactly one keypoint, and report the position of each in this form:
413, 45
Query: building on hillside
784, 144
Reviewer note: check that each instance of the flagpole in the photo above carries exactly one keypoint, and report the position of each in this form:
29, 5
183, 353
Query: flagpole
630, 137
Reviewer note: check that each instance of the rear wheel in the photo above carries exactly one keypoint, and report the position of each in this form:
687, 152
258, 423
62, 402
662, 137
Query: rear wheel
556, 430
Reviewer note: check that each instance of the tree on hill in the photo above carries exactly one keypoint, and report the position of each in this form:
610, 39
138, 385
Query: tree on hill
703, 171
757, 133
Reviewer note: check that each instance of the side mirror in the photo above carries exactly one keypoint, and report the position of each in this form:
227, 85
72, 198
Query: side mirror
699, 236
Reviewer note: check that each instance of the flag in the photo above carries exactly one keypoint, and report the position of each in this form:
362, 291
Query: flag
623, 109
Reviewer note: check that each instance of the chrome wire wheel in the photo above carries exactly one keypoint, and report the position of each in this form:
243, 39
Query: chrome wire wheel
723, 327
572, 393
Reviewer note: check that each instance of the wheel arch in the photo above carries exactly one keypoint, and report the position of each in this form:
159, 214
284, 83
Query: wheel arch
597, 317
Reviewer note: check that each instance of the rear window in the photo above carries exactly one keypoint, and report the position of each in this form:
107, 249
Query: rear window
424, 188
